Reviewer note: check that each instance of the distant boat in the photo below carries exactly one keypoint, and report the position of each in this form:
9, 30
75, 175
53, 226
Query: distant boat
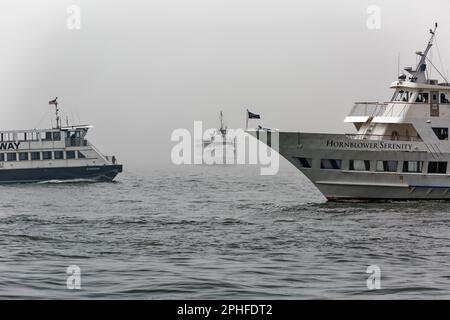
220, 148
60, 153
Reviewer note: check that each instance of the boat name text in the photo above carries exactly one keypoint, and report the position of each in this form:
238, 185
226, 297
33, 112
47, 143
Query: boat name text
9, 145
380, 145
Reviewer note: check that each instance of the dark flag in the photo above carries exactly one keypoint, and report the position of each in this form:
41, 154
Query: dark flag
253, 115
53, 101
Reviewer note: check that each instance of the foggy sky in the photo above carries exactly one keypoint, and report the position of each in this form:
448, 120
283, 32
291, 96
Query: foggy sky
137, 70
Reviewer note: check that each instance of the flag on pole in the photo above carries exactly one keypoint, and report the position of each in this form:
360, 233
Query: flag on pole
54, 101
250, 115
253, 115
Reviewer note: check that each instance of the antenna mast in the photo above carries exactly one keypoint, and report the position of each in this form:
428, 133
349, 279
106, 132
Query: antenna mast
421, 67
222, 129
55, 103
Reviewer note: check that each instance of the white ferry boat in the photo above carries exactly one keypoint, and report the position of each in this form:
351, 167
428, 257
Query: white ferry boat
401, 148
60, 153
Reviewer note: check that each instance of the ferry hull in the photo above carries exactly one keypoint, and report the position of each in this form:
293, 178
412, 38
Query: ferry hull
97, 173
378, 193
345, 184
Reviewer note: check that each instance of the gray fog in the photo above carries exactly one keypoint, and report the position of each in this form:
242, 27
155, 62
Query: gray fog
137, 70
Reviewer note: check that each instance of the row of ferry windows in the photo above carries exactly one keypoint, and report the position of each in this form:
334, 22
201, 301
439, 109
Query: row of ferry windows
381, 165
37, 155
422, 97
34, 136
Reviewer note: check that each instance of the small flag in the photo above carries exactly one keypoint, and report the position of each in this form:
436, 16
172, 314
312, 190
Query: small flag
54, 101
253, 115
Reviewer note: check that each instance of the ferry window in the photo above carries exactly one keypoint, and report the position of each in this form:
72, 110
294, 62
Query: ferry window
56, 136
23, 156
434, 97
422, 97
35, 156
2, 157
441, 133
46, 155
80, 156
444, 98
387, 166
304, 162
401, 96
11, 156
330, 164
359, 165
70, 154
59, 155
48, 136
412, 166
21, 136
437, 167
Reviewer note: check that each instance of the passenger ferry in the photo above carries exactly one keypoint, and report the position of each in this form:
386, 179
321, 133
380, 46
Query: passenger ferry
60, 153
400, 150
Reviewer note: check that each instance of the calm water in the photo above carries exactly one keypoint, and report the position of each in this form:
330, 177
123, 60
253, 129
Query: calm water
216, 232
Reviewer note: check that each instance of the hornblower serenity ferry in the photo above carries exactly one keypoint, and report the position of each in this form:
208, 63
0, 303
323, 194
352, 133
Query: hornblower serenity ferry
61, 153
401, 149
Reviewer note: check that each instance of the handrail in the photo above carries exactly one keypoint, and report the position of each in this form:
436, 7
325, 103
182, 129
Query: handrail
359, 136
368, 109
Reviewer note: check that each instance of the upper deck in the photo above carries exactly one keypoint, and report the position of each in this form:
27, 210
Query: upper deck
66, 136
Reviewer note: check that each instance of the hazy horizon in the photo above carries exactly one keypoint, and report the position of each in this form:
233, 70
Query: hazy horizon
137, 70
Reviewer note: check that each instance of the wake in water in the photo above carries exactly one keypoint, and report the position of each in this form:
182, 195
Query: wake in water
84, 180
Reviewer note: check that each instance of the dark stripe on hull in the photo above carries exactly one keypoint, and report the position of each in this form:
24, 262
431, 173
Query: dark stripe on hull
99, 173
344, 199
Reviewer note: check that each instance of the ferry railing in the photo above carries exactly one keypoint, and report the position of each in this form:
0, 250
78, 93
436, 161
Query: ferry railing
380, 109
368, 109
76, 142
110, 159
359, 136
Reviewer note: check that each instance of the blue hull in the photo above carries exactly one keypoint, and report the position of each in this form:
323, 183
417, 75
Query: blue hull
98, 173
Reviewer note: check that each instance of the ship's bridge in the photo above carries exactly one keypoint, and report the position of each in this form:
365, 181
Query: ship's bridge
418, 110
414, 110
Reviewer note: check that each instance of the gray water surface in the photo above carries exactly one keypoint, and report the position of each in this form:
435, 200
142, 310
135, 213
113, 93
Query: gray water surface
204, 232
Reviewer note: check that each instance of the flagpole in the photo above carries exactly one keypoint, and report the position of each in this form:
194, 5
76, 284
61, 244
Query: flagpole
246, 121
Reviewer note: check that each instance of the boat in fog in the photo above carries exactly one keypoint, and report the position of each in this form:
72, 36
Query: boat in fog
60, 153
220, 146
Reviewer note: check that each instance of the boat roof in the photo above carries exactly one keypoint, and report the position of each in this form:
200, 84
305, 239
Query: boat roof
69, 128
87, 126
418, 86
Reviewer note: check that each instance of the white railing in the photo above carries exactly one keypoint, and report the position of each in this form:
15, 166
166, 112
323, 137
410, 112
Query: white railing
368, 109
379, 137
